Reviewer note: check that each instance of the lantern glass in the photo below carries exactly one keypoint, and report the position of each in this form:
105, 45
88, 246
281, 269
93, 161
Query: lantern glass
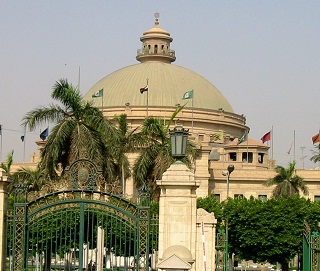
178, 138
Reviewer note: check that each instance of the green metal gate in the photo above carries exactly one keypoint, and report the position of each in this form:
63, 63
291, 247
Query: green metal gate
81, 227
311, 249
221, 255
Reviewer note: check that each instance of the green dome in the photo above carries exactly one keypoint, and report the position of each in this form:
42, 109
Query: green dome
167, 85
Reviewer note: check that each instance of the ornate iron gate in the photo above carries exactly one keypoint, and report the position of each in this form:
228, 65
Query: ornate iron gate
311, 249
221, 256
82, 227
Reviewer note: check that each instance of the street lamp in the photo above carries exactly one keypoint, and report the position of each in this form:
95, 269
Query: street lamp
178, 137
230, 169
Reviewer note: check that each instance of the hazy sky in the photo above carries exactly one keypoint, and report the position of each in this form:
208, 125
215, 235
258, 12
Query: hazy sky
264, 56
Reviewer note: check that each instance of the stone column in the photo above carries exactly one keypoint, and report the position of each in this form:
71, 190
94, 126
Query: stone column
4, 181
178, 209
100, 248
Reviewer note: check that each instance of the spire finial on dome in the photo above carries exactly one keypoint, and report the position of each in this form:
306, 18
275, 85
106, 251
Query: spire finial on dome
156, 45
156, 16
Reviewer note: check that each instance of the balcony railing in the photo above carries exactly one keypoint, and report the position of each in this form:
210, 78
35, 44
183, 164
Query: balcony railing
141, 52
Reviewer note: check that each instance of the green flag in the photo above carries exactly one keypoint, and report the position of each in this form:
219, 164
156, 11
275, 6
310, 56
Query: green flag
188, 95
98, 94
243, 138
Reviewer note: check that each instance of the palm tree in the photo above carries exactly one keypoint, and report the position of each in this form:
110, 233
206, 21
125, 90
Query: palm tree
127, 141
155, 157
80, 130
6, 166
33, 179
287, 183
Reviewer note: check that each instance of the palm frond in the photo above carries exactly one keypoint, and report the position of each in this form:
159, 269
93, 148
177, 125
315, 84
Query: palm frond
69, 96
287, 183
40, 115
87, 143
175, 113
34, 179
6, 166
57, 147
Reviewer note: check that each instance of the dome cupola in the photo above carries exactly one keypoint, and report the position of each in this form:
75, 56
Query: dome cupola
156, 45
167, 83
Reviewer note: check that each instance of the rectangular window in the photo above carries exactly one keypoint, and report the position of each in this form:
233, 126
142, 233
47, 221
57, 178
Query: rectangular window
263, 197
316, 198
238, 196
233, 156
217, 197
260, 158
247, 157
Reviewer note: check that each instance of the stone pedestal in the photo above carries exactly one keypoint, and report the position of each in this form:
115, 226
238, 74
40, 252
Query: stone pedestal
186, 234
178, 211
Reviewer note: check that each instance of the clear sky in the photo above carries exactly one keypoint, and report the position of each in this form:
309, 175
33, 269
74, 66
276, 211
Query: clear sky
264, 56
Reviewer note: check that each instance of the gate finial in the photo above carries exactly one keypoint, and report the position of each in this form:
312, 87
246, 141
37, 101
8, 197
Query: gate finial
144, 195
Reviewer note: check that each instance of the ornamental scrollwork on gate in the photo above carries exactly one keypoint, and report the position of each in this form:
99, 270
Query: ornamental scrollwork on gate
81, 175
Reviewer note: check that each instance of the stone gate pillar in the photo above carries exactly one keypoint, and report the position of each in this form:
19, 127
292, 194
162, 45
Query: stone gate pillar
206, 239
3, 210
178, 213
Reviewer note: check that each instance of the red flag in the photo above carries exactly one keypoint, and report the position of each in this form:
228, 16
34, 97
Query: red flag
146, 88
266, 137
316, 138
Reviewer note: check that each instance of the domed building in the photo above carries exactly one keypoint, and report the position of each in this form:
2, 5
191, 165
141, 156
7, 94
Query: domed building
225, 166
155, 87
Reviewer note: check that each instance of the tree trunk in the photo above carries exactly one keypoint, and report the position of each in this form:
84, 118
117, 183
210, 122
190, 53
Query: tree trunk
285, 266
123, 180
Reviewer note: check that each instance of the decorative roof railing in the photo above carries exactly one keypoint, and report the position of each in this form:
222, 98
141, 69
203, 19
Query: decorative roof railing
141, 52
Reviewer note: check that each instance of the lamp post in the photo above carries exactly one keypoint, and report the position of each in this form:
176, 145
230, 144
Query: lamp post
226, 247
178, 138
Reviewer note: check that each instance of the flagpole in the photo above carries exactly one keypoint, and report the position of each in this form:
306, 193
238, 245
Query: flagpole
294, 145
147, 103
192, 113
79, 79
272, 142
247, 147
102, 101
148, 98
24, 149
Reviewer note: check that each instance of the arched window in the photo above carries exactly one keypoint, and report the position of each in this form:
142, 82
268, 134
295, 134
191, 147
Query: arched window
162, 49
156, 49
